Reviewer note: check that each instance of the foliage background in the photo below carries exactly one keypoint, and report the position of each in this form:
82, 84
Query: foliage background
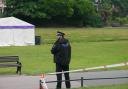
76, 13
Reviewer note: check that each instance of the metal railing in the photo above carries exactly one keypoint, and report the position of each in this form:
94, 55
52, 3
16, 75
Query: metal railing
82, 79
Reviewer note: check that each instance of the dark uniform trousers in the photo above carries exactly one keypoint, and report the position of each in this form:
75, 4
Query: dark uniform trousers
60, 68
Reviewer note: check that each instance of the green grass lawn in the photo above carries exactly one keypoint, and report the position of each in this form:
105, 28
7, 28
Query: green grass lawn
121, 86
90, 47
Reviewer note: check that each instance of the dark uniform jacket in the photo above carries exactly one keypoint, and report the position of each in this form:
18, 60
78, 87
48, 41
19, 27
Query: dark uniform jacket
62, 52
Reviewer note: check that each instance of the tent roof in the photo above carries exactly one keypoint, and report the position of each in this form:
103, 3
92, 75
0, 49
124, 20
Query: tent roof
12, 22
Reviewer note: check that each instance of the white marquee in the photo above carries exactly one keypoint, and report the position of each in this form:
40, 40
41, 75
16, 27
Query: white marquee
15, 32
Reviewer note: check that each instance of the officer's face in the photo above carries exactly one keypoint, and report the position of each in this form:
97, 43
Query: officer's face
59, 36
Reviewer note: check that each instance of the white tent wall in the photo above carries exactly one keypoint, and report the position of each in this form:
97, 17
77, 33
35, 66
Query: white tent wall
9, 37
6, 37
18, 37
2, 38
23, 37
29, 39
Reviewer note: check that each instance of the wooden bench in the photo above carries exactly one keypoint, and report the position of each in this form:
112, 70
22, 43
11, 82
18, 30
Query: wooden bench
10, 61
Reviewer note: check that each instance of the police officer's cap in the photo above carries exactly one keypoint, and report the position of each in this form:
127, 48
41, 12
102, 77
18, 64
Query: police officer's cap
60, 33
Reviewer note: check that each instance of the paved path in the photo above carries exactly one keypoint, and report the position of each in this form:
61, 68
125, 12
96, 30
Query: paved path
32, 82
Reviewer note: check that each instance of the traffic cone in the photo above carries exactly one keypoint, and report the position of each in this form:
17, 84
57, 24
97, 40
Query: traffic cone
43, 84
41, 87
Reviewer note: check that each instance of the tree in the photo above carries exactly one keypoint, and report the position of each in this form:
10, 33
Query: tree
120, 8
83, 11
105, 10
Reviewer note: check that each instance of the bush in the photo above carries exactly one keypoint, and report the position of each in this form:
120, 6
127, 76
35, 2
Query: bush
122, 20
94, 21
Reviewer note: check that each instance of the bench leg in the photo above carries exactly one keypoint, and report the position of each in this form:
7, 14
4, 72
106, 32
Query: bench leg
18, 70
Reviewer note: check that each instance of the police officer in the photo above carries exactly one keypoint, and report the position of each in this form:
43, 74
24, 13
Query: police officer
62, 55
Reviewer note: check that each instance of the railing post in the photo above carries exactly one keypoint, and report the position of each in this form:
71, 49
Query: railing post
82, 81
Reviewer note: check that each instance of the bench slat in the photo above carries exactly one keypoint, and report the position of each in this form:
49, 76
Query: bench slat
9, 59
9, 65
8, 56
